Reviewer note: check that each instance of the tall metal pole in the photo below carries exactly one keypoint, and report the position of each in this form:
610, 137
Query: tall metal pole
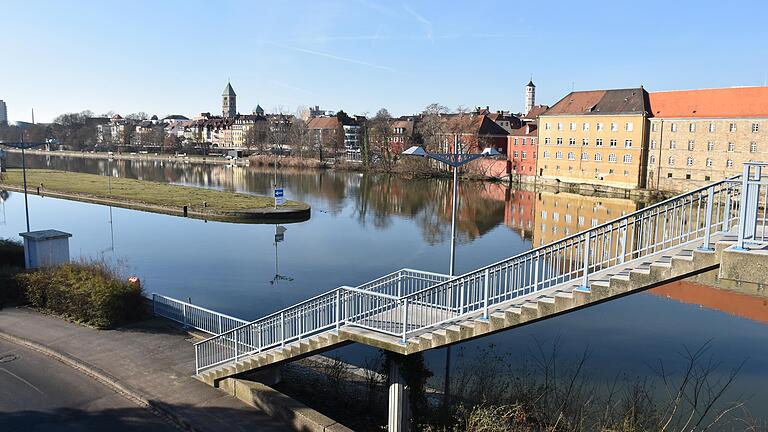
24, 174
452, 269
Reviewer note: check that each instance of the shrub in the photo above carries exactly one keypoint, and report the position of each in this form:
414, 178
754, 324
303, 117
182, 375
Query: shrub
11, 253
89, 292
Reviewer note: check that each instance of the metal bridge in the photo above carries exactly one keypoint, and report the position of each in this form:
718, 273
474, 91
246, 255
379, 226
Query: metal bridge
410, 311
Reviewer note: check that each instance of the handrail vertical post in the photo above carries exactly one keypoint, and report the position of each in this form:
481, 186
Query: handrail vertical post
623, 242
220, 326
184, 313
585, 279
486, 289
237, 345
708, 218
748, 208
405, 319
197, 361
282, 328
461, 298
338, 310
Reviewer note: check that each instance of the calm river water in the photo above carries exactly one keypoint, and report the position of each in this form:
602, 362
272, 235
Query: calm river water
364, 226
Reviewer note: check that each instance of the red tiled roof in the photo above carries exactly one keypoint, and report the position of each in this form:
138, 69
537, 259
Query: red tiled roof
536, 111
323, 123
719, 102
594, 102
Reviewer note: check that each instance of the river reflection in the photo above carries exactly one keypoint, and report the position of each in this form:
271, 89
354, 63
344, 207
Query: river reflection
364, 226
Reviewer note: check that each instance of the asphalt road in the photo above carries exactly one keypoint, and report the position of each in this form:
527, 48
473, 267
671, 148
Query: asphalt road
38, 393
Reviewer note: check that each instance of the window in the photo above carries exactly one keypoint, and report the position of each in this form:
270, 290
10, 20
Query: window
673, 127
614, 127
546, 154
753, 147
558, 155
515, 154
690, 145
732, 127
584, 156
629, 126
556, 217
653, 126
613, 143
573, 126
652, 160
669, 175
547, 141
571, 141
731, 146
523, 141
581, 220
559, 126
709, 163
599, 126
571, 156
523, 155
543, 215
627, 158
729, 163
712, 127
689, 161
612, 157
653, 144
687, 176
610, 171
598, 158
627, 143
585, 142
710, 145
672, 144
626, 173
559, 141
585, 126
547, 126
599, 142
755, 127
692, 127
671, 161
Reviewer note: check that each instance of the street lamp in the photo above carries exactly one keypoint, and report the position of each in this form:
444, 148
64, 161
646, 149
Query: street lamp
455, 160
22, 126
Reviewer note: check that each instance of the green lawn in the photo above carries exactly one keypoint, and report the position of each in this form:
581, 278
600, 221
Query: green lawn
139, 191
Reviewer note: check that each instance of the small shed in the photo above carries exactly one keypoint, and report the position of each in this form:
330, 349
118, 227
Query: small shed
45, 248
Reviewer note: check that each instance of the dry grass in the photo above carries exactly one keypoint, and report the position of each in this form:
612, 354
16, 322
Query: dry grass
139, 191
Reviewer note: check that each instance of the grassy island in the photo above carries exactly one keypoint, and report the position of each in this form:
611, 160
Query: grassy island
155, 197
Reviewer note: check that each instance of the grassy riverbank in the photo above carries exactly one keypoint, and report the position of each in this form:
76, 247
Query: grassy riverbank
153, 196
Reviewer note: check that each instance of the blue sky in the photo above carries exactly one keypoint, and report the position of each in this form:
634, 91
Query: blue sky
360, 55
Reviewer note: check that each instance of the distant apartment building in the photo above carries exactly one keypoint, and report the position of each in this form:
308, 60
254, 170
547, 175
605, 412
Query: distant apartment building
325, 134
595, 137
3, 113
700, 136
521, 151
402, 134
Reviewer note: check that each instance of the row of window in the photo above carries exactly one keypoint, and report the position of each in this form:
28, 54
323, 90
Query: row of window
524, 155
585, 156
525, 140
710, 145
689, 161
585, 142
712, 127
597, 170
628, 126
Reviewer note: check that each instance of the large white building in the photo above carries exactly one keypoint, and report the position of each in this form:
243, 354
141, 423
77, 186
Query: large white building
3, 113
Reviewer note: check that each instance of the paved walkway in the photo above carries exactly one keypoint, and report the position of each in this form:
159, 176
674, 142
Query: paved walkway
151, 359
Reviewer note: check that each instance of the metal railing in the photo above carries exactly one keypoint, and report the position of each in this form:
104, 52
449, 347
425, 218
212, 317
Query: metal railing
407, 302
193, 316
327, 311
755, 210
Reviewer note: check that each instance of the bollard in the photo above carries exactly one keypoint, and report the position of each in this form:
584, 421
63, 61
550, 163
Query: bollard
185, 211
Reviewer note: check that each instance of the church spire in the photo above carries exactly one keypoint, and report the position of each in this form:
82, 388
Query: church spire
229, 101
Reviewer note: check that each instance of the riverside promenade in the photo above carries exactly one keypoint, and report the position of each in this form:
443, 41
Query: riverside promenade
150, 363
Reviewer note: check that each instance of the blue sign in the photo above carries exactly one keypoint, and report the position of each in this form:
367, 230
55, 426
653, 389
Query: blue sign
279, 197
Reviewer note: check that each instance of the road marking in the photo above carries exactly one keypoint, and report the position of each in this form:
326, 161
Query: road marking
22, 380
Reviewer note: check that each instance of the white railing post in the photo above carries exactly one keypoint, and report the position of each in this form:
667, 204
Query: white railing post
399, 286
184, 313
405, 319
221, 330
535, 262
748, 208
282, 328
461, 298
197, 359
338, 310
585, 279
154, 304
486, 289
237, 346
623, 243
708, 219
727, 209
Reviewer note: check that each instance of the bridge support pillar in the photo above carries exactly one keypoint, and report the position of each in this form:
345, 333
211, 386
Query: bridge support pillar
399, 407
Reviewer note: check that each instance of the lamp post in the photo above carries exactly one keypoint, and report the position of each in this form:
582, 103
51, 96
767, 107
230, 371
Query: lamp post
24, 146
456, 160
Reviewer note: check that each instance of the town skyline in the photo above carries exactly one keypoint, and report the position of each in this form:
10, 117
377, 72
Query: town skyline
328, 55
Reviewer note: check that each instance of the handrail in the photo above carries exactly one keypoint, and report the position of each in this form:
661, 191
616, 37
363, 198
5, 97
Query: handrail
370, 293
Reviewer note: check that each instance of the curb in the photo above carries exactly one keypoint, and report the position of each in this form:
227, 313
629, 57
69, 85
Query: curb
103, 378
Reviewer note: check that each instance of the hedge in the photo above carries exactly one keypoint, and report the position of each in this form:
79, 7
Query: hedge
88, 292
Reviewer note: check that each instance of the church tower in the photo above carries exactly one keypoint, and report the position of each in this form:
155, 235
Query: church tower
530, 96
228, 102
